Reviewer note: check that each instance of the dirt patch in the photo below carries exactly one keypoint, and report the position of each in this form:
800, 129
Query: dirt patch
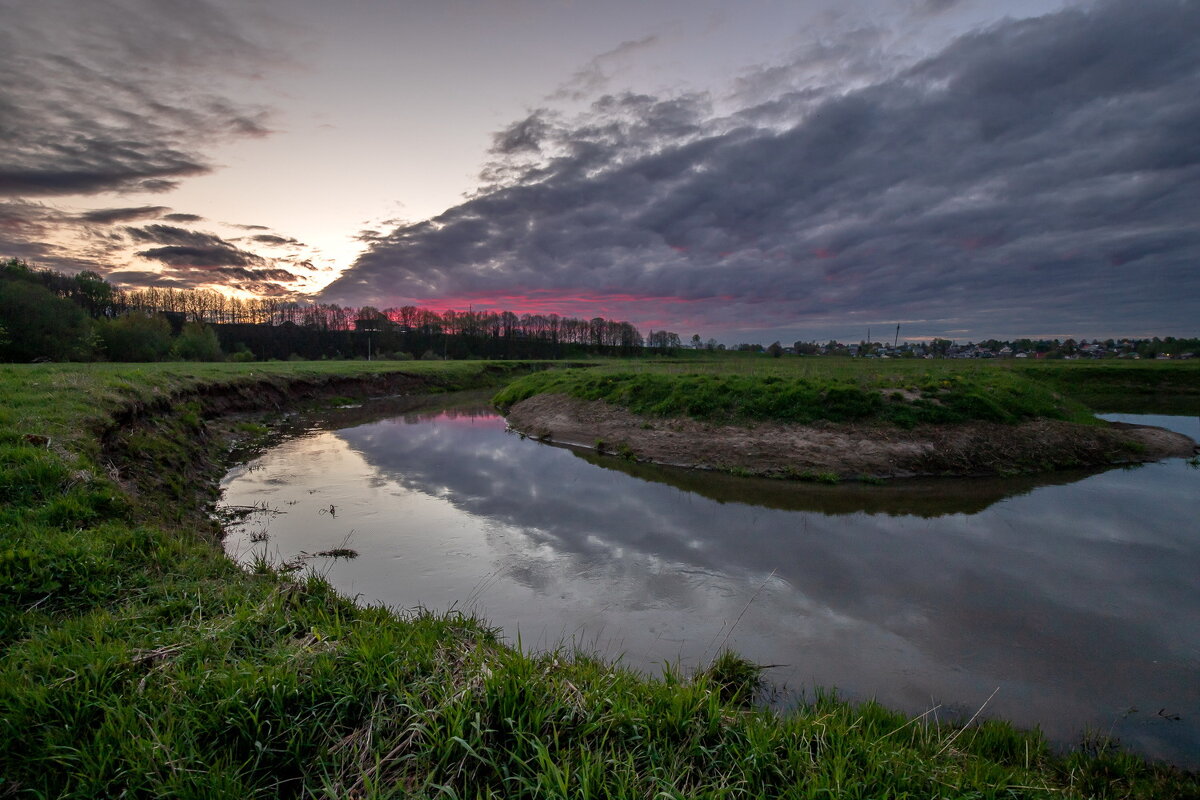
843, 451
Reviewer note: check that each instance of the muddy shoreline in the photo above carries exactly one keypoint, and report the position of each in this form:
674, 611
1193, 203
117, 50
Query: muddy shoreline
169, 452
835, 451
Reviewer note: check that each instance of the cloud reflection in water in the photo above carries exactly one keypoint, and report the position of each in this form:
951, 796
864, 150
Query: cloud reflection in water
1074, 599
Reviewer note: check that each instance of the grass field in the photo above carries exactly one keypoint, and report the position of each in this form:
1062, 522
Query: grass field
1133, 387
905, 392
137, 661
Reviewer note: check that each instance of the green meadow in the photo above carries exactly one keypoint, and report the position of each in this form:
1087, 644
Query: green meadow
737, 387
136, 660
831, 391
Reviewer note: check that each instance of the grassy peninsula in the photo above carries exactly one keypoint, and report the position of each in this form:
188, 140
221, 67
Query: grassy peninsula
137, 661
834, 419
742, 387
834, 390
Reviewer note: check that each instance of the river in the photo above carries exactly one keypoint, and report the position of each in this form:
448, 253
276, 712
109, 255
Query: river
1071, 601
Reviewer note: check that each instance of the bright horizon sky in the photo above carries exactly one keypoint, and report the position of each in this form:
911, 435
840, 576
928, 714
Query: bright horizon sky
778, 170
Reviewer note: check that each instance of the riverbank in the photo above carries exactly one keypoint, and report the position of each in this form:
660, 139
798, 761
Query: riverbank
833, 421
842, 451
137, 659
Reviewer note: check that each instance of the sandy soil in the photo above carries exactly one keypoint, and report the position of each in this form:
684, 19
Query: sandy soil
847, 451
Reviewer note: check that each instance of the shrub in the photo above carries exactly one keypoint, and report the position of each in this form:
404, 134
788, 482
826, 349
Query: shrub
136, 337
198, 342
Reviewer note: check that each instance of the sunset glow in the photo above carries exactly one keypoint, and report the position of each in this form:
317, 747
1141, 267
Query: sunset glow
787, 172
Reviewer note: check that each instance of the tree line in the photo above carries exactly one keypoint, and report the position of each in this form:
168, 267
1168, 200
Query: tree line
46, 315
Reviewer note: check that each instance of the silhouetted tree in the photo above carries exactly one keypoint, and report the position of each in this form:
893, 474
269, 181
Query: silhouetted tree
39, 325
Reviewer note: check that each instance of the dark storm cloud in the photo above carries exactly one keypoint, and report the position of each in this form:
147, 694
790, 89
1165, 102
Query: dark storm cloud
268, 281
1036, 173
171, 235
200, 256
110, 216
270, 238
199, 259
107, 101
182, 248
831, 61
523, 136
619, 128
183, 217
31, 231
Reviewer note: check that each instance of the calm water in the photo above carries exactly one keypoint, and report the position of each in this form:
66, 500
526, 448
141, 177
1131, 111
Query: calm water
1077, 597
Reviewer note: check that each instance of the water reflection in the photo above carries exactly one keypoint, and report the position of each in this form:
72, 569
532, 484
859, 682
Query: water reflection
1076, 599
921, 497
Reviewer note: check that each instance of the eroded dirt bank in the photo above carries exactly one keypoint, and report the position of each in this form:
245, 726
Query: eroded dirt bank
169, 452
845, 451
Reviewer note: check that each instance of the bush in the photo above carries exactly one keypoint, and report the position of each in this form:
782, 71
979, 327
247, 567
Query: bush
136, 337
198, 342
241, 353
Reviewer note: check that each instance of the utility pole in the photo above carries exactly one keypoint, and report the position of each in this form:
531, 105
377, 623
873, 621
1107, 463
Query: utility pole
369, 327
897, 342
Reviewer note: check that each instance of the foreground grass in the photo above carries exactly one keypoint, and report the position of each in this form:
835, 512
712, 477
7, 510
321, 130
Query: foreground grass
138, 661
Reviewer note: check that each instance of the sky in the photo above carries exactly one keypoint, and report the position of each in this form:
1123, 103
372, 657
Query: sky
766, 170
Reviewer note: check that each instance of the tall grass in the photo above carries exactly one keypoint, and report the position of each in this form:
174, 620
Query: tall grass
137, 661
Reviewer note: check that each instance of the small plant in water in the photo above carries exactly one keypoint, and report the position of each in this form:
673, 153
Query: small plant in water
820, 477
736, 679
337, 552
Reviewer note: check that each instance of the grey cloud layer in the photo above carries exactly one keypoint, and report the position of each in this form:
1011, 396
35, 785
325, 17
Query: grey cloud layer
101, 96
118, 96
199, 257
109, 216
28, 230
1037, 173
